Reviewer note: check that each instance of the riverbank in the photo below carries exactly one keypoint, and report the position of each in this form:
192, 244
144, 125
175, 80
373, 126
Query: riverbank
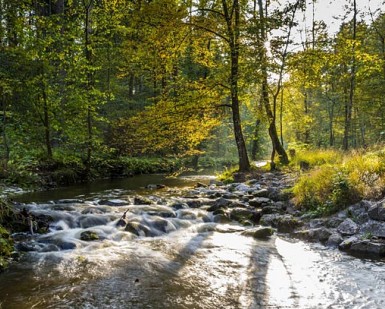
177, 246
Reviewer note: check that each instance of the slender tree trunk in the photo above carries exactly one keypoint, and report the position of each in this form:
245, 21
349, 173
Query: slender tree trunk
270, 112
349, 103
90, 81
255, 144
47, 126
234, 32
4, 133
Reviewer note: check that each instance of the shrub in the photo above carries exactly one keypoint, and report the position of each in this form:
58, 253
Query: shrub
316, 158
324, 190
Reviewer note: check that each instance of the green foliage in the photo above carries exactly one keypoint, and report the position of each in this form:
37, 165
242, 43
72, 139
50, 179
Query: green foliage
6, 247
335, 183
227, 176
316, 158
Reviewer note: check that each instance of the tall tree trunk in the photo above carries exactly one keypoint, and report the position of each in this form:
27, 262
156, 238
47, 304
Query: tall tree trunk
350, 101
47, 126
255, 144
4, 133
270, 111
233, 28
90, 80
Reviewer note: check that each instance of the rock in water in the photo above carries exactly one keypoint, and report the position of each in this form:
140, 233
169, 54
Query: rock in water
259, 232
89, 236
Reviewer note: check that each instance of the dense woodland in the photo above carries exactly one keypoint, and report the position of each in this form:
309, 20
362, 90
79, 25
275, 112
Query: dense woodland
87, 81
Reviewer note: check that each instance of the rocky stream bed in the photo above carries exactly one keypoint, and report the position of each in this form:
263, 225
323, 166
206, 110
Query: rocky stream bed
211, 246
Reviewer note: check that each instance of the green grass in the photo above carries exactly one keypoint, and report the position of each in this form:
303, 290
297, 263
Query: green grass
336, 180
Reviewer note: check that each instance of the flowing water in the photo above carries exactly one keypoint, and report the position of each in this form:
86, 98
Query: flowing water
181, 258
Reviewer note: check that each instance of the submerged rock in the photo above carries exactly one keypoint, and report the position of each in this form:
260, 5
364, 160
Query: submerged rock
320, 234
259, 232
114, 202
367, 248
334, 240
141, 200
242, 214
89, 236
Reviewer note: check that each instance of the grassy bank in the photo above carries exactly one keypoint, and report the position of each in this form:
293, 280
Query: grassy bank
6, 243
330, 180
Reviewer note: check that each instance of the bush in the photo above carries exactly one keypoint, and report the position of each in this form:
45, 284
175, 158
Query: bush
338, 181
315, 158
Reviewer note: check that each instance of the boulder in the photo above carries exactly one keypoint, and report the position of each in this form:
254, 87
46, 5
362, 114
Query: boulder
334, 222
261, 193
348, 227
243, 188
94, 210
113, 202
367, 248
87, 221
139, 229
222, 218
259, 232
242, 214
287, 223
141, 200
89, 236
334, 240
179, 205
320, 234
377, 211
269, 220
220, 203
69, 201
260, 202
271, 210
346, 244
374, 228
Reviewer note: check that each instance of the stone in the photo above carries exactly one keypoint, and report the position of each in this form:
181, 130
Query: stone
243, 188
334, 240
259, 232
377, 212
346, 244
269, 220
320, 234
139, 229
220, 204
200, 185
178, 206
261, 193
316, 223
334, 222
87, 221
348, 227
113, 202
287, 223
94, 210
221, 218
140, 200
367, 248
259, 202
69, 201
89, 236
242, 214
270, 210
374, 228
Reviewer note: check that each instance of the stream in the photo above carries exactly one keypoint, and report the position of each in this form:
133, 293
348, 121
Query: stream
174, 255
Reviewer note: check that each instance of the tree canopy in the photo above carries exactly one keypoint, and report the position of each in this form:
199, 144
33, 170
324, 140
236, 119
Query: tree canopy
91, 78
